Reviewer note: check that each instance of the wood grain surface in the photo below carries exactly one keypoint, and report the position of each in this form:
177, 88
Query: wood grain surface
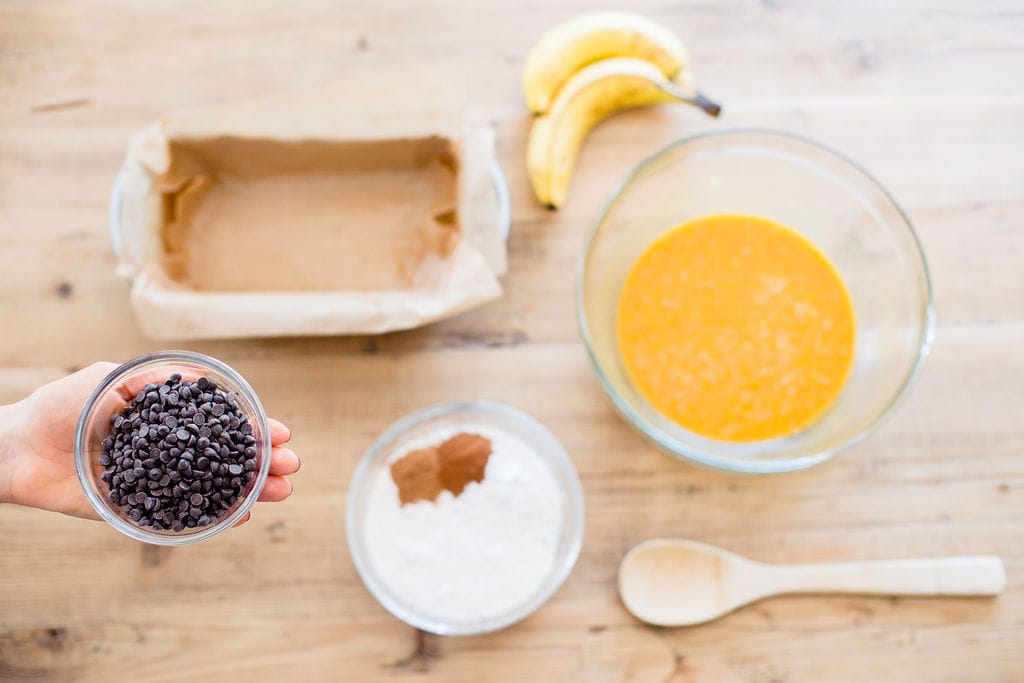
925, 94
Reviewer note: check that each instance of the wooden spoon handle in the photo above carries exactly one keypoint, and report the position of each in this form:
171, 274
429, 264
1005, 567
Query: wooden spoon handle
978, 575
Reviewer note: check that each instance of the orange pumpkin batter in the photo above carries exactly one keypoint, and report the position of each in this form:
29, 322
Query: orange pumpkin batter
736, 328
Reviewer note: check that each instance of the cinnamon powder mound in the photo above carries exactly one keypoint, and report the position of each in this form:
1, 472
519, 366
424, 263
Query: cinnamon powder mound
423, 473
418, 475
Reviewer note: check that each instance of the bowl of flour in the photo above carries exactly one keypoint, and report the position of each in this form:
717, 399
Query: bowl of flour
475, 557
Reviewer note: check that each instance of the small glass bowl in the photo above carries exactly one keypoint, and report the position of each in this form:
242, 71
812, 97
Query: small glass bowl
107, 399
820, 194
457, 415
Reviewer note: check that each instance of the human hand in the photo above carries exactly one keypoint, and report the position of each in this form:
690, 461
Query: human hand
37, 459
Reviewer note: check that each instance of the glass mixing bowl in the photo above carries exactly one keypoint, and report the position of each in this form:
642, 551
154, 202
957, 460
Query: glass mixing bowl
820, 194
458, 416
109, 397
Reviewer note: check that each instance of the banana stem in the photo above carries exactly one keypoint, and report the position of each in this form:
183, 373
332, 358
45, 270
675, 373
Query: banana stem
710, 107
697, 99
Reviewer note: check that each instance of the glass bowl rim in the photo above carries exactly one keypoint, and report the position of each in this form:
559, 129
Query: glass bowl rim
572, 495
673, 447
171, 357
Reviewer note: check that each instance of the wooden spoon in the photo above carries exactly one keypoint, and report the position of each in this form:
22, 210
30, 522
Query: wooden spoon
679, 583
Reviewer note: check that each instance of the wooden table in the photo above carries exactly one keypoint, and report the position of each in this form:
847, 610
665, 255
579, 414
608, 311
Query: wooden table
925, 94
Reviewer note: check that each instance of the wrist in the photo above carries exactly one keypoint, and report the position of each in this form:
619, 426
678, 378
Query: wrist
10, 416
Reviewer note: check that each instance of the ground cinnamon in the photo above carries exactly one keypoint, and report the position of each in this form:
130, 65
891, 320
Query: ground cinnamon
423, 473
418, 475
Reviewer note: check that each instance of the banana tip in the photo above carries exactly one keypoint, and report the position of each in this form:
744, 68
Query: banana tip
710, 107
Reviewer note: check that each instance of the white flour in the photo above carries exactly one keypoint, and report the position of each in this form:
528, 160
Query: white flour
472, 557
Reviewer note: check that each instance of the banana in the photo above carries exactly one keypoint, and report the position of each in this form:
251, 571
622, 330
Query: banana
591, 95
593, 36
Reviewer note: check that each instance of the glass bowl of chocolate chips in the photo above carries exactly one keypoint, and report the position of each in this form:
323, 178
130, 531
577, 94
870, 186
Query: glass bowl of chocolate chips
172, 448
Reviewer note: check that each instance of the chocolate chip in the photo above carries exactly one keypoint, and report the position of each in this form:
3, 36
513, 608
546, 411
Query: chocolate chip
175, 453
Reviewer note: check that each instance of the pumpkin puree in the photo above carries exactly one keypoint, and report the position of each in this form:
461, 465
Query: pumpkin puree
736, 328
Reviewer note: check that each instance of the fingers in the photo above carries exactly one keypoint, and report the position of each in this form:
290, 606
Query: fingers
243, 520
98, 370
283, 461
276, 489
279, 434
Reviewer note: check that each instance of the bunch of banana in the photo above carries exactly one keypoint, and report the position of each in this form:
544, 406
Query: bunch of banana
586, 69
